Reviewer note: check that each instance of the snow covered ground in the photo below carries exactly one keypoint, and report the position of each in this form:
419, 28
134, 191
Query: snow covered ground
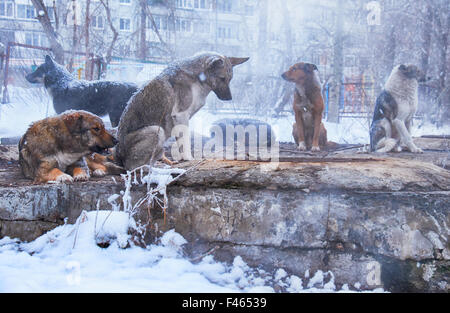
29, 105
98, 254
68, 259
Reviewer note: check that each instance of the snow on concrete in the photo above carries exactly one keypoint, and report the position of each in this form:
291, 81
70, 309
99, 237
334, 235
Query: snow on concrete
69, 259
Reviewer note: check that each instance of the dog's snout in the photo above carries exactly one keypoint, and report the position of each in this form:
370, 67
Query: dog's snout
223, 93
115, 141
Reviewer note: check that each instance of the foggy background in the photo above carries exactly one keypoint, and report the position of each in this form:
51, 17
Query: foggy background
354, 43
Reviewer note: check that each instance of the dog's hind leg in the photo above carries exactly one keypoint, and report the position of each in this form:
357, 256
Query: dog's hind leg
101, 165
79, 170
182, 135
323, 136
405, 137
142, 147
386, 145
114, 116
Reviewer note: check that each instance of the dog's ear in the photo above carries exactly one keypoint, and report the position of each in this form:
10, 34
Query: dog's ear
215, 62
74, 123
48, 60
309, 67
237, 61
403, 68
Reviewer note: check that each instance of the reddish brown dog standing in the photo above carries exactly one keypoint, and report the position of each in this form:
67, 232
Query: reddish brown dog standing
308, 129
53, 149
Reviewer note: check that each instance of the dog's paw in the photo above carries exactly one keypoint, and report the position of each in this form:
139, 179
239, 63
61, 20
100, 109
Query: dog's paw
301, 146
416, 150
99, 173
187, 157
64, 179
315, 149
82, 176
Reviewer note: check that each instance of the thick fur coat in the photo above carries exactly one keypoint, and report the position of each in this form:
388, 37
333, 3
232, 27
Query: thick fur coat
308, 130
171, 99
394, 111
98, 97
53, 149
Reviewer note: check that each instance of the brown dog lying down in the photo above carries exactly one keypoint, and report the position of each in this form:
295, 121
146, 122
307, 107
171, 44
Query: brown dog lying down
53, 149
308, 130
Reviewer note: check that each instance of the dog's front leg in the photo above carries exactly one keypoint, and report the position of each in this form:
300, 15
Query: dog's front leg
95, 163
298, 132
405, 136
318, 109
48, 172
182, 134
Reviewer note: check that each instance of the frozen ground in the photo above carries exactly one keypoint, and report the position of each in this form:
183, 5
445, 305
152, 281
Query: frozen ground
32, 104
68, 259
98, 254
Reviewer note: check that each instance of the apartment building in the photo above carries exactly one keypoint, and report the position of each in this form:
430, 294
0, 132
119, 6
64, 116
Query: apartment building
185, 25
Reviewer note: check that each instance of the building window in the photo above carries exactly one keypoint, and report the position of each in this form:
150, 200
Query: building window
6, 9
51, 13
200, 4
125, 1
160, 22
36, 39
185, 26
350, 61
249, 10
125, 24
97, 22
25, 11
201, 27
182, 25
184, 4
224, 5
227, 32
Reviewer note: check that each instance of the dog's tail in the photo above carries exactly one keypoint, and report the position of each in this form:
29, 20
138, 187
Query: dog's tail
377, 133
331, 145
24, 159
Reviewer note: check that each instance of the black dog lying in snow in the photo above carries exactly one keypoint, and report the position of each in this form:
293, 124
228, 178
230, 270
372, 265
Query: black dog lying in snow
68, 93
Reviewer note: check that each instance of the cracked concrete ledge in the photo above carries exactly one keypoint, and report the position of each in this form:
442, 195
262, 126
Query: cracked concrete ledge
361, 238
378, 222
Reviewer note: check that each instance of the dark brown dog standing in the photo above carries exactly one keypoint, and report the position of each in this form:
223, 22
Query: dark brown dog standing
308, 129
55, 145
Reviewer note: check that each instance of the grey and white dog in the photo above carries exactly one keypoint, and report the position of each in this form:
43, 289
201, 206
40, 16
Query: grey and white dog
394, 110
170, 100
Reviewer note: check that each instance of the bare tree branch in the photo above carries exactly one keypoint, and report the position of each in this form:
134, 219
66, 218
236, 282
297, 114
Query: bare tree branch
105, 4
42, 16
